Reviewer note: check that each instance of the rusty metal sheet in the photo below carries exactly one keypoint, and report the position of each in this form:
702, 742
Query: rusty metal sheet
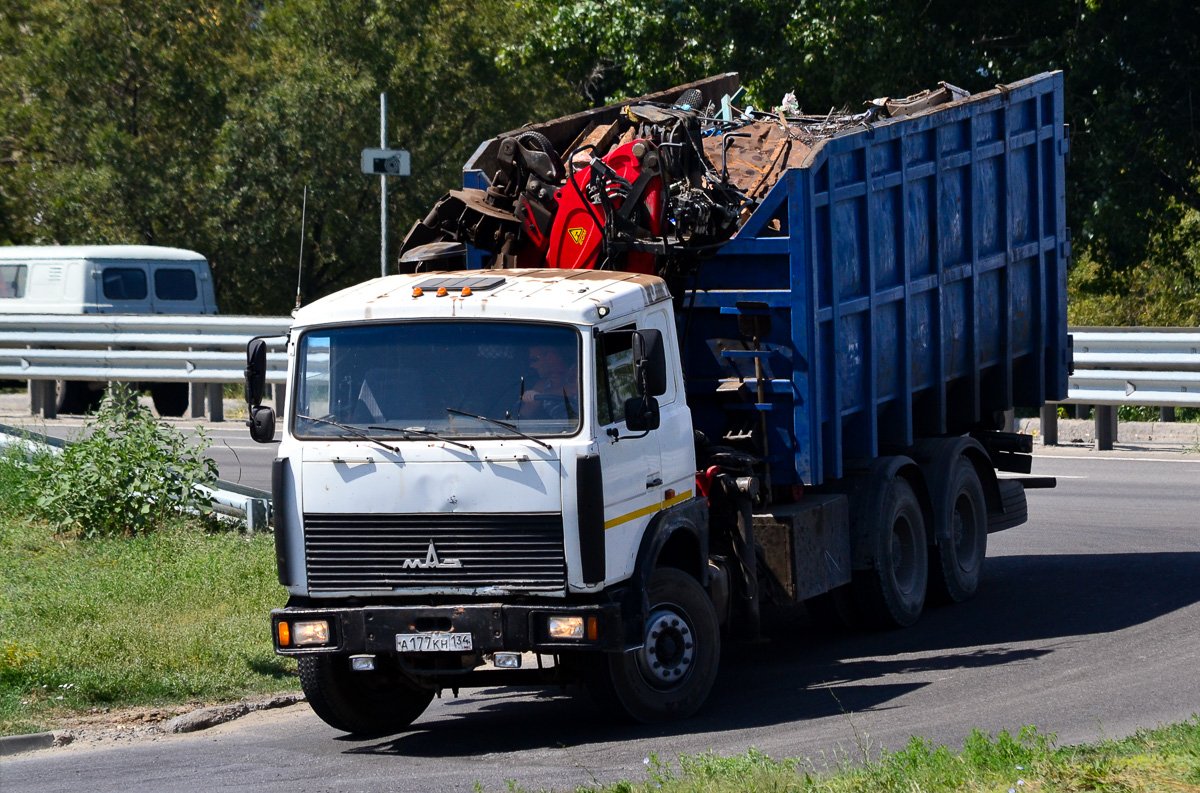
756, 163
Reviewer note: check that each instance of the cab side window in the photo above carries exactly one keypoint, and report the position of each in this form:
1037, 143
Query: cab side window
124, 283
12, 280
615, 380
174, 283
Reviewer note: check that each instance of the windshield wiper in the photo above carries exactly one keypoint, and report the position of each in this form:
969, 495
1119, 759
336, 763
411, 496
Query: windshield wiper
499, 423
355, 431
425, 433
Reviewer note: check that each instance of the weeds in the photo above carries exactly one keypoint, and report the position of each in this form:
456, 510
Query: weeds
131, 475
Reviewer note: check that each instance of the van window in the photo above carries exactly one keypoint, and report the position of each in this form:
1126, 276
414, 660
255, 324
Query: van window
12, 280
124, 283
174, 284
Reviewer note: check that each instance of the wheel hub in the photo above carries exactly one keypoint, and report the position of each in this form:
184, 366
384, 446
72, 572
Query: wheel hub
667, 650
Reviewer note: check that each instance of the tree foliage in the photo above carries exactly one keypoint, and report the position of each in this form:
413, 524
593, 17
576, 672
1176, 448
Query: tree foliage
1131, 77
198, 123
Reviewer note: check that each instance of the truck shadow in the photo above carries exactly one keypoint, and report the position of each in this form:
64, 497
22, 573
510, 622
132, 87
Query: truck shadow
801, 674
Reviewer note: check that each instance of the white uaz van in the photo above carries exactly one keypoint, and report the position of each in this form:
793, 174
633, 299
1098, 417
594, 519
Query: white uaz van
106, 279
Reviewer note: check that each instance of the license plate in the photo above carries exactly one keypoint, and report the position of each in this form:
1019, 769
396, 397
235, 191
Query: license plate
433, 642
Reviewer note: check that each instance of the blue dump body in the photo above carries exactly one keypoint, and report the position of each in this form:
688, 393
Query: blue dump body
913, 273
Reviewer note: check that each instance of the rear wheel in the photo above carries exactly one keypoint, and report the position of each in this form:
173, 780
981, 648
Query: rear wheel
670, 676
76, 397
378, 702
170, 399
957, 559
892, 593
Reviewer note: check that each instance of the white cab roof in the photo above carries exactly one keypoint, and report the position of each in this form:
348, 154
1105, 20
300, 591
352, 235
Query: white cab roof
575, 296
124, 252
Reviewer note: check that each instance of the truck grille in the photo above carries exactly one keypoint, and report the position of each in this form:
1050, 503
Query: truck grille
373, 552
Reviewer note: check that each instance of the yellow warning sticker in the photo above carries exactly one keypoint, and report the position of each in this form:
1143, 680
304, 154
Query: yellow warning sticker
577, 234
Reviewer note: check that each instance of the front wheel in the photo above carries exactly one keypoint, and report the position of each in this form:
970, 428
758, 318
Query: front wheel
363, 703
670, 676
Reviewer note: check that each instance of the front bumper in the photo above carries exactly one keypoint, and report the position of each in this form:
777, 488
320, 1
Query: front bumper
494, 627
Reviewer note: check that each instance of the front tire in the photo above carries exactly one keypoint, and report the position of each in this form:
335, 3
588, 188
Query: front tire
360, 703
671, 675
892, 593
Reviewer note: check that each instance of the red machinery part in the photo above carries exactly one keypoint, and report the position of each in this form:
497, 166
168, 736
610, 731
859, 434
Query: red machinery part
575, 239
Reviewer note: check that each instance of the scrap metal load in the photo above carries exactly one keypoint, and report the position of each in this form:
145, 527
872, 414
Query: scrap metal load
645, 186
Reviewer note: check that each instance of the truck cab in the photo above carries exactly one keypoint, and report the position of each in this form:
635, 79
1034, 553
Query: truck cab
443, 499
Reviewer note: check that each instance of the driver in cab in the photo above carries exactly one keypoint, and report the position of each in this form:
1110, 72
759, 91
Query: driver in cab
555, 393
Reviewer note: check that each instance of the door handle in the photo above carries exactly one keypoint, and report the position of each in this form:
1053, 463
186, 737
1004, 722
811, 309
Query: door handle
655, 482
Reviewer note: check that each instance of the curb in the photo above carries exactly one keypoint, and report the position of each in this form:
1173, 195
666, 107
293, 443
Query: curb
204, 718
18, 744
194, 721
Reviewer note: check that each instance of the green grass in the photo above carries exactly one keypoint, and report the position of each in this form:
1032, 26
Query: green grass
171, 617
1165, 759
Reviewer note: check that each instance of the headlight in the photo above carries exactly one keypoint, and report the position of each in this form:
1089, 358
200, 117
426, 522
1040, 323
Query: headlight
566, 627
315, 632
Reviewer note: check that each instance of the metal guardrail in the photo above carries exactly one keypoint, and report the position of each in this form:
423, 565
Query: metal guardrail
203, 350
1130, 366
1152, 367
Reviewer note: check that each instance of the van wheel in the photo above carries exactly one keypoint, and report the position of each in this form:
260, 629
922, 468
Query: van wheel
892, 593
76, 397
957, 559
170, 399
670, 676
361, 703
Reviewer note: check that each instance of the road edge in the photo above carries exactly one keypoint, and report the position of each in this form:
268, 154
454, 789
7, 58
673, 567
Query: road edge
192, 721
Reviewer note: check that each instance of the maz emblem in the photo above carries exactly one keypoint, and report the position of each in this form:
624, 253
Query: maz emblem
431, 560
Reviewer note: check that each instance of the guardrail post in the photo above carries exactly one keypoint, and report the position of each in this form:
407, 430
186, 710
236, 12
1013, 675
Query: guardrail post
1166, 414
1049, 422
1010, 421
216, 402
43, 398
280, 393
1081, 411
1106, 427
196, 400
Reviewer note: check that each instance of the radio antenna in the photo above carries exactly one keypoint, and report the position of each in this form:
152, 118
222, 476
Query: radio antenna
300, 269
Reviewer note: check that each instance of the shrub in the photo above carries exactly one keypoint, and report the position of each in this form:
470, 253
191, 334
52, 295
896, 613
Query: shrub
130, 475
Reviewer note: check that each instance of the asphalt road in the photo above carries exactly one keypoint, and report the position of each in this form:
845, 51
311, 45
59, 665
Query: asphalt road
1085, 627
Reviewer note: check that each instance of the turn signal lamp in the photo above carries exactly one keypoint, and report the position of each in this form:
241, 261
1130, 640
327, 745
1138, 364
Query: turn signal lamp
593, 629
417, 291
442, 291
566, 627
315, 632
285, 634
466, 292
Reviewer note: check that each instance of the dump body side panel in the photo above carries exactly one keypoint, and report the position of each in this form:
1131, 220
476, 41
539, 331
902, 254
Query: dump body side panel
914, 274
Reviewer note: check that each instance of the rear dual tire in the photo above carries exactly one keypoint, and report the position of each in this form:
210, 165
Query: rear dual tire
891, 594
956, 561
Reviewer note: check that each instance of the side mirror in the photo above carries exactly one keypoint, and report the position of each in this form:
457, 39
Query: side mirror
256, 371
650, 362
641, 414
262, 424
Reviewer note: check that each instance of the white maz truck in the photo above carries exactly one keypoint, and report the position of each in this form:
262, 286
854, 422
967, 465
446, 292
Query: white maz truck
594, 469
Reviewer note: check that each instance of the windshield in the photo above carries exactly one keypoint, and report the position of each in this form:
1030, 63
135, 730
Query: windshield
419, 380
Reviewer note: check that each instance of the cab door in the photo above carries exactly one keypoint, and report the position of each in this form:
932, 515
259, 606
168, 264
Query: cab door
631, 465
